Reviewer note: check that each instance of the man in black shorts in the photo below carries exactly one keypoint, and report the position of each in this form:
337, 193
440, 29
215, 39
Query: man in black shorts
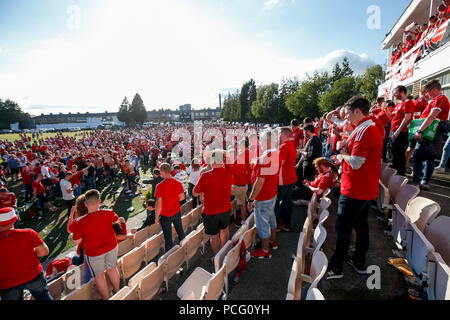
215, 185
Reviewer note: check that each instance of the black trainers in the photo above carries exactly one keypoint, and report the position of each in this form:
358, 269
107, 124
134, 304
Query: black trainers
333, 274
359, 267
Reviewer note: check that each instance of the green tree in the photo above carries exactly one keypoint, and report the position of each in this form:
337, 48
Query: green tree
231, 110
368, 83
269, 105
342, 91
11, 113
124, 112
138, 114
246, 99
304, 102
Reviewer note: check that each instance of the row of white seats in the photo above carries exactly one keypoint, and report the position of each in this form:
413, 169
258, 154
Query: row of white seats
308, 249
202, 285
417, 229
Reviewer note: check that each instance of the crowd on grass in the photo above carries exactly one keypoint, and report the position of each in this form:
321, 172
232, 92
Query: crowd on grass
267, 170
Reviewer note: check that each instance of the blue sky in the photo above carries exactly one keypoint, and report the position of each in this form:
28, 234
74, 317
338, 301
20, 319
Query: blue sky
86, 55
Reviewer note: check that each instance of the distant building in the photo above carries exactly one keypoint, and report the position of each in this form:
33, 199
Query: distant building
93, 120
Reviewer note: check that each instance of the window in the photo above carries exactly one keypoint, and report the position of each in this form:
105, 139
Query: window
444, 79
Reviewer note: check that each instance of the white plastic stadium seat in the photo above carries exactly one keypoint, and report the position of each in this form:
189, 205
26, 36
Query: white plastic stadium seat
417, 250
314, 294
406, 194
438, 277
437, 232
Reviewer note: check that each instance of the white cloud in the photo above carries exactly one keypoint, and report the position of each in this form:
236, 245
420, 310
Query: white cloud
271, 3
189, 56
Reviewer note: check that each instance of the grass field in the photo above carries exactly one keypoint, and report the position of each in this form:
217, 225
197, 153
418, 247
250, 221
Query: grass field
52, 226
15, 136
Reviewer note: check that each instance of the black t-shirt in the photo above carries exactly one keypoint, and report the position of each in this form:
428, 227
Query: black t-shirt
91, 171
314, 149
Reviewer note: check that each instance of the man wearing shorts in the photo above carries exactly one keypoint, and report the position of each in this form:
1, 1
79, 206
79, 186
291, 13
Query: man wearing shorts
215, 185
95, 231
241, 178
264, 195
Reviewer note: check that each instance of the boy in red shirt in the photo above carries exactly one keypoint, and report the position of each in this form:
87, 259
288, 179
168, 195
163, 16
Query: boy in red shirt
95, 232
264, 195
20, 268
169, 193
361, 169
323, 181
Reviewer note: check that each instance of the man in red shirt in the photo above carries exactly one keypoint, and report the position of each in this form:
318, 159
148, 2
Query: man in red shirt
297, 135
361, 169
437, 109
241, 177
96, 234
421, 104
169, 193
264, 195
385, 117
215, 185
39, 193
287, 179
376, 109
401, 118
20, 268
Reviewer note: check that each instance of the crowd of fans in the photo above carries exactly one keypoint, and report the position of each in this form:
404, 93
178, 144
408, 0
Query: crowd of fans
267, 173
421, 31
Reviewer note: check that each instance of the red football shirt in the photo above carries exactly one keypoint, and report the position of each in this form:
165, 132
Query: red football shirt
421, 104
168, 190
267, 167
382, 116
323, 181
440, 103
9, 200
76, 178
378, 124
215, 185
376, 110
18, 263
241, 169
27, 177
296, 137
38, 185
399, 112
288, 154
365, 141
97, 232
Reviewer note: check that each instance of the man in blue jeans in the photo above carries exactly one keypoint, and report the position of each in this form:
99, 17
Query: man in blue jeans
437, 109
20, 267
361, 169
286, 179
169, 193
